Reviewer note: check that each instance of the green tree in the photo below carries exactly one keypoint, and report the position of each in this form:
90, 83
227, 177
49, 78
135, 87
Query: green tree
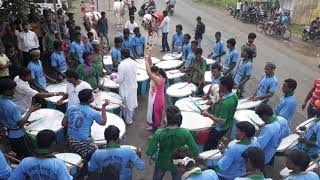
17, 8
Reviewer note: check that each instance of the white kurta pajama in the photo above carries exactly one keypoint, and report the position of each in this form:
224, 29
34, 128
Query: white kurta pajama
128, 86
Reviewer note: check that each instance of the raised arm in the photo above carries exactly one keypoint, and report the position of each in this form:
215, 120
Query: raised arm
152, 76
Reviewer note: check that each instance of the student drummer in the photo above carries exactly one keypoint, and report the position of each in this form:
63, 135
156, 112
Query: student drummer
114, 156
12, 120
216, 75
232, 164
43, 163
191, 55
198, 68
79, 119
223, 119
268, 84
298, 161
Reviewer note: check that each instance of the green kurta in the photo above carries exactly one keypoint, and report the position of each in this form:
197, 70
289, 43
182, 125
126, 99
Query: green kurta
198, 68
228, 107
98, 62
48, 41
170, 139
89, 74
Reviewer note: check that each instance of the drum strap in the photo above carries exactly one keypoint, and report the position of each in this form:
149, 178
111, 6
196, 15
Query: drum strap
112, 145
43, 153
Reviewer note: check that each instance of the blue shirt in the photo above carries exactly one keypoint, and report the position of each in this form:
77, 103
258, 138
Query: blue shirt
208, 174
138, 43
312, 134
247, 178
268, 140
121, 157
284, 128
88, 47
232, 164
116, 54
177, 41
190, 58
286, 108
232, 57
80, 118
186, 50
78, 49
216, 80
244, 69
218, 48
127, 43
268, 84
304, 176
59, 61
10, 116
5, 170
41, 169
37, 72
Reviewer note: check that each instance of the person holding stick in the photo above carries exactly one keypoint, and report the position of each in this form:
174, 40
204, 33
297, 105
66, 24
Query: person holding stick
5, 169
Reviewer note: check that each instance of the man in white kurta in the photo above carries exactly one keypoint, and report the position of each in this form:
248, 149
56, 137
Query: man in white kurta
128, 86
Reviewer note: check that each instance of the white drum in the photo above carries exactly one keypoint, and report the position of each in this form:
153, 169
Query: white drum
97, 131
107, 83
107, 60
101, 96
181, 89
172, 56
195, 121
247, 104
142, 75
206, 88
211, 154
170, 64
61, 87
45, 119
208, 77
209, 61
141, 63
288, 142
71, 159
305, 124
191, 103
249, 116
174, 74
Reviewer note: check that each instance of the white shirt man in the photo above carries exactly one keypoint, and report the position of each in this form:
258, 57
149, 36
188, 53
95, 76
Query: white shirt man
84, 34
28, 40
239, 5
73, 92
130, 26
165, 25
127, 80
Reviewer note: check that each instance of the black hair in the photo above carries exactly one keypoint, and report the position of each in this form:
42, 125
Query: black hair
165, 13
23, 72
249, 52
183, 152
6, 84
256, 157
126, 31
84, 95
111, 133
45, 138
264, 110
198, 51
103, 13
227, 82
77, 34
160, 70
57, 44
72, 74
231, 41
77, 27
292, 84
174, 116
299, 158
218, 33
195, 42
247, 128
199, 18
252, 35
131, 17
136, 29
125, 53
89, 34
179, 26
216, 66
86, 54
188, 36
118, 40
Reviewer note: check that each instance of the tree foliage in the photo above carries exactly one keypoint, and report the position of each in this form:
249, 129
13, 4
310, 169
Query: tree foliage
17, 8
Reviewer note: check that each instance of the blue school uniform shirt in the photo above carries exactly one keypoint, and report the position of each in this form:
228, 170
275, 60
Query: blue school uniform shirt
244, 69
58, 60
232, 164
304, 176
232, 57
216, 80
5, 170
177, 41
286, 108
116, 54
37, 72
138, 43
186, 50
248, 178
268, 84
121, 157
127, 44
88, 47
312, 134
190, 58
41, 169
218, 48
80, 118
268, 140
78, 49
10, 116
208, 174
284, 128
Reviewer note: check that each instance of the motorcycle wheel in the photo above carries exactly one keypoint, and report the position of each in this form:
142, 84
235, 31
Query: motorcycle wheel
316, 41
286, 34
260, 27
269, 31
305, 36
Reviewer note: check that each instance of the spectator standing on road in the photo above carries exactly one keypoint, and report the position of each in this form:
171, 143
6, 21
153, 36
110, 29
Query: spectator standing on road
15, 60
138, 43
132, 9
250, 45
313, 95
238, 8
165, 26
71, 25
4, 64
103, 27
131, 24
49, 39
200, 29
28, 40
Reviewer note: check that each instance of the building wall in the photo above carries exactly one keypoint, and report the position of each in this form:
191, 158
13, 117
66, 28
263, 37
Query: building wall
304, 11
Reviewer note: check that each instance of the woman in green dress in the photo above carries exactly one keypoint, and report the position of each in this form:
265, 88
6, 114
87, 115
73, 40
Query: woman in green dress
88, 71
98, 58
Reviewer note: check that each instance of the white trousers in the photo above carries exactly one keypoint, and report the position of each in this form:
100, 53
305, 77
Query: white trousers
128, 115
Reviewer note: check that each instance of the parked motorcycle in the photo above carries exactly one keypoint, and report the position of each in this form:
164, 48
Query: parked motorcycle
170, 7
277, 30
313, 35
230, 10
249, 16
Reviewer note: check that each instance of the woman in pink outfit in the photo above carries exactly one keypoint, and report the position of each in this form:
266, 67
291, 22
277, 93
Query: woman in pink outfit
156, 100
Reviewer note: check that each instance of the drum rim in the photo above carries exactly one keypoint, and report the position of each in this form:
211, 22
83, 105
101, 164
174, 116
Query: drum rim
184, 83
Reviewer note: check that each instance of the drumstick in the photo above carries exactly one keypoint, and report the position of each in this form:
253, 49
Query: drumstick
184, 86
195, 103
67, 162
176, 72
117, 104
12, 158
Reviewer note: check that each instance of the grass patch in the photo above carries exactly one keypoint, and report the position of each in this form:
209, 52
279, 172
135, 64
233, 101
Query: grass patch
297, 28
74, 5
217, 3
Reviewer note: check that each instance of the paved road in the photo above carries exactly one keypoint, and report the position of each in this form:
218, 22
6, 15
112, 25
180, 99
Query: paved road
290, 63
